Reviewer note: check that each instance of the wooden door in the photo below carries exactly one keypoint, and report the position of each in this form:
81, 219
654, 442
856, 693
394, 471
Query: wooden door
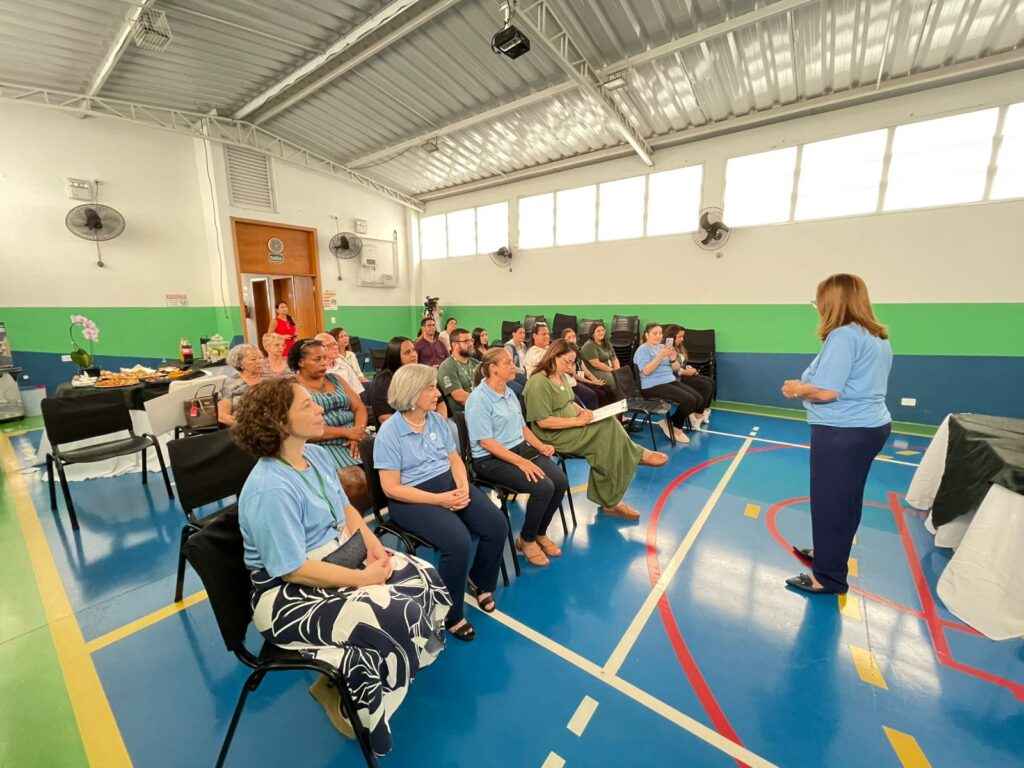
304, 303
261, 310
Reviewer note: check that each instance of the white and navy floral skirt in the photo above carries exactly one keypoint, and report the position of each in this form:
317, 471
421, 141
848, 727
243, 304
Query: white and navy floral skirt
379, 636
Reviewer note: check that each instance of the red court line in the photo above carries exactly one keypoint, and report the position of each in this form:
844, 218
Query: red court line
689, 664
931, 615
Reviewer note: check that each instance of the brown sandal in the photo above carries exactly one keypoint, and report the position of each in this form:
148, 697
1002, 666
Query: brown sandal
623, 510
653, 458
549, 547
534, 554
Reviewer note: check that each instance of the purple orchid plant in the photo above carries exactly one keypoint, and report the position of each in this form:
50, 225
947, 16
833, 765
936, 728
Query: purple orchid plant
91, 333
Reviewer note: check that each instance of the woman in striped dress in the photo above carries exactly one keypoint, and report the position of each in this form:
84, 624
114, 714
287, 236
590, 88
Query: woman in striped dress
344, 416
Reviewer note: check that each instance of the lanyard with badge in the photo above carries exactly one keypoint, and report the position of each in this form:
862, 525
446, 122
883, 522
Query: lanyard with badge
322, 493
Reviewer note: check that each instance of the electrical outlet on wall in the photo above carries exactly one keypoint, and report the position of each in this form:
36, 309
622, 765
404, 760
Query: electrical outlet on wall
908, 401
333, 320
65, 358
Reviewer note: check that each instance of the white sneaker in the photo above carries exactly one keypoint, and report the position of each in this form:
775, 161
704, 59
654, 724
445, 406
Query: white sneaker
696, 420
706, 416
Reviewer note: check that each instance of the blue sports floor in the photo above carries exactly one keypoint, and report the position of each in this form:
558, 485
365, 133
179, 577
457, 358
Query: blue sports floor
586, 663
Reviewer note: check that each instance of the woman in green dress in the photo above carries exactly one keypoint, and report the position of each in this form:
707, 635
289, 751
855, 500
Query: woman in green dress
599, 357
557, 420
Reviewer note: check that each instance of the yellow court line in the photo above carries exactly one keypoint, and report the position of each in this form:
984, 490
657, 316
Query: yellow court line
632, 634
907, 749
146, 621
849, 606
752, 510
853, 569
867, 666
97, 727
554, 760
581, 717
799, 418
578, 488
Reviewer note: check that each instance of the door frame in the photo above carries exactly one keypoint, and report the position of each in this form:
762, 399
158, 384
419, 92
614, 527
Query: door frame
314, 251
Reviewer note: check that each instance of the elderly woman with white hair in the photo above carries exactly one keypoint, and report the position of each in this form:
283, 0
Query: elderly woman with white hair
247, 360
426, 480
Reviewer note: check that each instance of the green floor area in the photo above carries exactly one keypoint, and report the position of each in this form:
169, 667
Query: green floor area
903, 427
24, 424
37, 723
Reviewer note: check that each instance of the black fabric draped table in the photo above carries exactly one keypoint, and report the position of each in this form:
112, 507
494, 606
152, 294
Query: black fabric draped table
134, 396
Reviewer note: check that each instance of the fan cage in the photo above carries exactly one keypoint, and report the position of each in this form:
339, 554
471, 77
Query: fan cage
152, 31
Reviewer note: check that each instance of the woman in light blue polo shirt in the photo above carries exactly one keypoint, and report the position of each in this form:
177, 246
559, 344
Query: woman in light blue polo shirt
507, 452
658, 364
843, 391
421, 472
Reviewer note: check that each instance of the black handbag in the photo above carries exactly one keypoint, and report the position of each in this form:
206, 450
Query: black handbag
351, 554
201, 410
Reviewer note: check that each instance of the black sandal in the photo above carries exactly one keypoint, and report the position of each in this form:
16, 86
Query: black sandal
804, 583
804, 553
466, 633
487, 604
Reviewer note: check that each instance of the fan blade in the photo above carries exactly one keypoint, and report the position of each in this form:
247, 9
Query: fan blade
705, 220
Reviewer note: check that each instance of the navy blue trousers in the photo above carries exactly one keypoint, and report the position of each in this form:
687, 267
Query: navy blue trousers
451, 531
840, 460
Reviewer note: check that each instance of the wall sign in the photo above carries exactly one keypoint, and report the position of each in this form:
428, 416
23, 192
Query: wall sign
330, 297
176, 299
276, 248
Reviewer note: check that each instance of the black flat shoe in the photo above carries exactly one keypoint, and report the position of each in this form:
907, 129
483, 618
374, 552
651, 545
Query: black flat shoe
804, 553
466, 633
804, 583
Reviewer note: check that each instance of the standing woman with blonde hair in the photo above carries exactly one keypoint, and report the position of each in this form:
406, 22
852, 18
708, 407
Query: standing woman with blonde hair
843, 391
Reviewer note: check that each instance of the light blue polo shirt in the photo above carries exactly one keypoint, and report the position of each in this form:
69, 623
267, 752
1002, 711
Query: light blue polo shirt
419, 457
663, 374
855, 364
490, 415
281, 519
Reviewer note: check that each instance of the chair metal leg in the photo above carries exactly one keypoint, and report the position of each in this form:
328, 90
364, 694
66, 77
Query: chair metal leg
348, 707
49, 477
179, 585
561, 513
504, 570
145, 471
511, 538
67, 495
250, 685
650, 426
163, 469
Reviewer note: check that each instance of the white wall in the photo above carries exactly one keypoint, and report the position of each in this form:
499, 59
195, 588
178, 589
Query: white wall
964, 253
149, 176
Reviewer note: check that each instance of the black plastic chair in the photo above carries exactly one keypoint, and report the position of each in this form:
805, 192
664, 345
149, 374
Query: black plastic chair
507, 327
625, 329
377, 356
531, 320
585, 329
636, 404
561, 323
216, 553
700, 350
410, 540
95, 415
207, 468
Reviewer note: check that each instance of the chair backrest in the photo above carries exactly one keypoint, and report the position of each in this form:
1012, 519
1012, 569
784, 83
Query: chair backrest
561, 323
377, 495
626, 324
67, 419
377, 357
531, 320
202, 383
625, 381
462, 438
354, 344
208, 468
585, 329
700, 344
507, 326
217, 554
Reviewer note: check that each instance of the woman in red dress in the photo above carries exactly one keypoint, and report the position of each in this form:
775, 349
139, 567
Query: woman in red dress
284, 325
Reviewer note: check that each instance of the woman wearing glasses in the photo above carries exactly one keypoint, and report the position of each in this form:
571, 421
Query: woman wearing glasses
344, 416
559, 421
843, 390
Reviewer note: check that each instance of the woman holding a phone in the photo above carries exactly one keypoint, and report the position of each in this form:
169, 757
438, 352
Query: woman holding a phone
659, 365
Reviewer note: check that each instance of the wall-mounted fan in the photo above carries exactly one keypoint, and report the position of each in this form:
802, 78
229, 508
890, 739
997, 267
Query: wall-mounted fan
713, 233
95, 222
345, 245
502, 257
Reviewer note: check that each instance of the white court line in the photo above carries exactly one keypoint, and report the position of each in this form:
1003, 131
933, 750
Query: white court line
794, 445
581, 717
704, 733
629, 639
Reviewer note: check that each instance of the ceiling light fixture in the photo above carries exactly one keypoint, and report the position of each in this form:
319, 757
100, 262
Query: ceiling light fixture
509, 40
615, 81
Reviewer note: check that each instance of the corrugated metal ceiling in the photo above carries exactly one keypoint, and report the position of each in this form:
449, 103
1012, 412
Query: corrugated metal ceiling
225, 52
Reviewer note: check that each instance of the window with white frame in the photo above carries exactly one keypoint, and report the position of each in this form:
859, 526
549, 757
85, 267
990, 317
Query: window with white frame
462, 232
1009, 178
433, 238
621, 209
673, 200
537, 221
940, 162
840, 177
759, 188
491, 227
575, 215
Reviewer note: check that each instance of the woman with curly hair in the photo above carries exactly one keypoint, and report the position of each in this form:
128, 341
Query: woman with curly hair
321, 581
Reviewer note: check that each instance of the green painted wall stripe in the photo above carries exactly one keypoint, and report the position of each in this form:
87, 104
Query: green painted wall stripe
970, 330
964, 330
